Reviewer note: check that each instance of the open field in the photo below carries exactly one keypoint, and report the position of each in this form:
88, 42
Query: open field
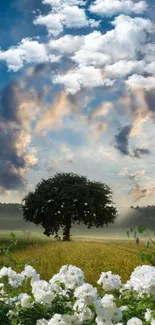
92, 255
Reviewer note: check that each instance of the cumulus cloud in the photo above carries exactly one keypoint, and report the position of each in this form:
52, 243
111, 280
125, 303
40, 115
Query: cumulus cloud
148, 51
65, 14
94, 58
140, 82
122, 44
59, 3
83, 77
28, 51
123, 68
115, 7
80, 56
66, 45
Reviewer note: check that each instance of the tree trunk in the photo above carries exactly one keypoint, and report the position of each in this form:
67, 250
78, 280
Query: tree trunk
66, 231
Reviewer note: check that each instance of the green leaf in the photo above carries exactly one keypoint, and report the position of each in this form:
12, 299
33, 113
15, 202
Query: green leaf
147, 244
12, 235
146, 257
141, 229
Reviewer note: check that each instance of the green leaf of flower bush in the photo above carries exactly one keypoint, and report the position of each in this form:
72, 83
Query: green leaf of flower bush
141, 229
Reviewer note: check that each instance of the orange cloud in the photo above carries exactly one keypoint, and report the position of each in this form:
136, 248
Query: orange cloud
52, 118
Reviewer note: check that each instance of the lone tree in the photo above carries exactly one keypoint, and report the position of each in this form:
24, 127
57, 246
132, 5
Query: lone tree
59, 202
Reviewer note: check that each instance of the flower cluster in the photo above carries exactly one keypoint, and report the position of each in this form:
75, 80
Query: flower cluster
66, 299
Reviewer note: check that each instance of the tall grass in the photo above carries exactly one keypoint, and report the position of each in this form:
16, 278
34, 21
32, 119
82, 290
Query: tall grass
93, 257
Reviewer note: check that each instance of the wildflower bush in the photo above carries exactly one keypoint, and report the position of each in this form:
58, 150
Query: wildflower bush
66, 299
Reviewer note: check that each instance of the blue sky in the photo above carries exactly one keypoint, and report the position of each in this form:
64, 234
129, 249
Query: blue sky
77, 95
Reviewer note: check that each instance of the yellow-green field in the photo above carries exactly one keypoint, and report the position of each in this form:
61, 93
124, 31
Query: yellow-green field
92, 256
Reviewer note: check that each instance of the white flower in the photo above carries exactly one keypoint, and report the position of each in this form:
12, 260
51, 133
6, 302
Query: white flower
42, 292
148, 315
42, 322
117, 315
30, 272
58, 319
103, 321
4, 271
109, 281
71, 276
25, 300
142, 280
14, 279
153, 322
11, 314
122, 308
87, 292
134, 321
110, 306
82, 312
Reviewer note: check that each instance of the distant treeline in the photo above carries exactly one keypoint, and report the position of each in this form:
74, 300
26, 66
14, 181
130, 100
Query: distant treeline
145, 207
10, 210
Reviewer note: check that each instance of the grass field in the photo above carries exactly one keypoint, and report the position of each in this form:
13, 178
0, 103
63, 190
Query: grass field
93, 256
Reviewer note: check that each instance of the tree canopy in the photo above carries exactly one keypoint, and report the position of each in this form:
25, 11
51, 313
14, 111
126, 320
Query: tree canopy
66, 198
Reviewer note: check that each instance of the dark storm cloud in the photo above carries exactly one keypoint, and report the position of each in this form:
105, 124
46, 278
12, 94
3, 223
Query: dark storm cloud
138, 152
150, 100
122, 140
9, 102
11, 163
39, 69
15, 159
122, 144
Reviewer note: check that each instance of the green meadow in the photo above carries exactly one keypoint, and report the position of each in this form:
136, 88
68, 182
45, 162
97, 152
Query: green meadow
92, 255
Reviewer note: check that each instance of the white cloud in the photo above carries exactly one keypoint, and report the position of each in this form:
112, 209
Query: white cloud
33, 51
13, 58
150, 68
28, 51
66, 45
120, 44
140, 82
59, 3
53, 23
96, 59
65, 16
76, 79
115, 7
123, 68
149, 52
126, 39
